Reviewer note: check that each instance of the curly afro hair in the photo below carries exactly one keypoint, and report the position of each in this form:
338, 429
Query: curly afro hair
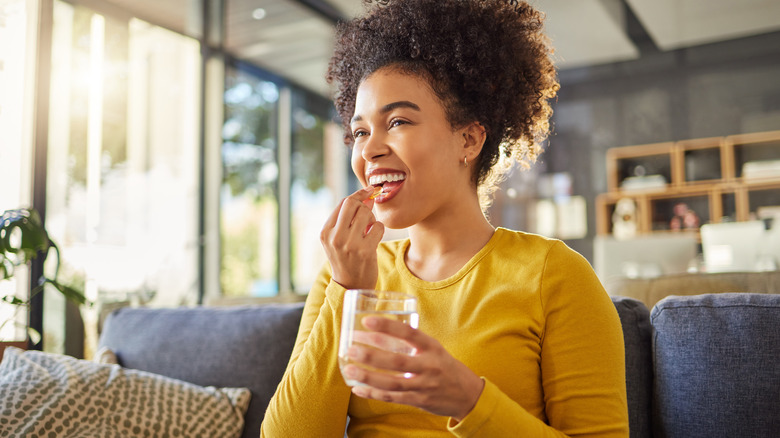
486, 60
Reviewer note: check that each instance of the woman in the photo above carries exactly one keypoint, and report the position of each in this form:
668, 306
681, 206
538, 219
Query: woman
517, 337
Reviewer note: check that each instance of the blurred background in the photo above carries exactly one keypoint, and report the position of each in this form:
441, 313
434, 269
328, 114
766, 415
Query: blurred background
185, 152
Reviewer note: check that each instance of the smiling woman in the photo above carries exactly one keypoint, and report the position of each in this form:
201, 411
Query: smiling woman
516, 334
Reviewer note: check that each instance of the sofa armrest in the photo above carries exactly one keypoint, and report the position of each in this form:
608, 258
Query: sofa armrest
635, 321
715, 359
246, 346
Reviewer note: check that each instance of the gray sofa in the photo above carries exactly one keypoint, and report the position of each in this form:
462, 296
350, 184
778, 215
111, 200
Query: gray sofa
697, 366
245, 346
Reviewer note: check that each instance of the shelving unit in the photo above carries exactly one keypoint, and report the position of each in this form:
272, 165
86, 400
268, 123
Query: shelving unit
720, 179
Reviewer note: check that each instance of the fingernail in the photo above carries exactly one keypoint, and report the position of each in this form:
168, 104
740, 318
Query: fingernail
359, 391
351, 372
369, 322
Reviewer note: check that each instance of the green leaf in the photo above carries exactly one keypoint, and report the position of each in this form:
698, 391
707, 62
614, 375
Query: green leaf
22, 233
6, 268
68, 292
22, 238
34, 335
13, 300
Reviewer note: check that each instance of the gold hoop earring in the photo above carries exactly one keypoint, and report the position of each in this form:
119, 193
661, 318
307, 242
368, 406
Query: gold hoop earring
465, 161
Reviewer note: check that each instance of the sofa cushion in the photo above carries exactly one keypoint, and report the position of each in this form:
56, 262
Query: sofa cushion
45, 394
716, 365
635, 320
247, 346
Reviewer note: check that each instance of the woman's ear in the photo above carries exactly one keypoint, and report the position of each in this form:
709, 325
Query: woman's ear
474, 136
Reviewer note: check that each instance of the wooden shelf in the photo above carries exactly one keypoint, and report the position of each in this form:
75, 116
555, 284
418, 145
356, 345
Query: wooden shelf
704, 173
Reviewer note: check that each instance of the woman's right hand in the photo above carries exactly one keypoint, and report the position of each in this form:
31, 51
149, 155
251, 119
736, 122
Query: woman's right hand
350, 237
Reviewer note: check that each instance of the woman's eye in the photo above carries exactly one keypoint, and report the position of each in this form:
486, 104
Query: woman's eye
397, 122
358, 133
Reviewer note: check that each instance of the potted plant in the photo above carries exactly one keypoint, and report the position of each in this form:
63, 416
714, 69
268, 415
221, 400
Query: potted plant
23, 238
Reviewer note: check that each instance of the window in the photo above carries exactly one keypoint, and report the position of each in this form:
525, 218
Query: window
249, 205
129, 195
319, 171
279, 149
17, 52
123, 190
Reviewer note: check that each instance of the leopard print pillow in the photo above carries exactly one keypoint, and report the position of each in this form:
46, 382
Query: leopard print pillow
52, 395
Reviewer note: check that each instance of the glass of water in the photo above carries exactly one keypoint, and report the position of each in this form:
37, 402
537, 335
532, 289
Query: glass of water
360, 303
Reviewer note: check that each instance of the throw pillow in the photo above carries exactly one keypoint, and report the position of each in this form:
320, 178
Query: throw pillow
45, 394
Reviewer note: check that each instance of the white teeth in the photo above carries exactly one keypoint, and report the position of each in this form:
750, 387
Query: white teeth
388, 177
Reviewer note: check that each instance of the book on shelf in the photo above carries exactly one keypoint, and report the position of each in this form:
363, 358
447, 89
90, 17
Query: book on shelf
643, 182
761, 169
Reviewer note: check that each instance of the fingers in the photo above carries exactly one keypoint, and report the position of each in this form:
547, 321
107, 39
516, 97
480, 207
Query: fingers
374, 232
392, 347
353, 201
364, 195
382, 342
405, 397
350, 237
334, 215
405, 363
354, 214
353, 218
451, 400
380, 382
430, 378
397, 329
394, 374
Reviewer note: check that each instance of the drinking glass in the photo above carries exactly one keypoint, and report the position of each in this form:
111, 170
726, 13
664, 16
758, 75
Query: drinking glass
360, 303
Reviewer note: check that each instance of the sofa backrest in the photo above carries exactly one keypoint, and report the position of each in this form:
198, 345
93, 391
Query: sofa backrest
635, 320
717, 365
247, 346
652, 290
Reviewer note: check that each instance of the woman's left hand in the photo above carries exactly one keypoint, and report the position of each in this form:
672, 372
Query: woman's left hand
439, 383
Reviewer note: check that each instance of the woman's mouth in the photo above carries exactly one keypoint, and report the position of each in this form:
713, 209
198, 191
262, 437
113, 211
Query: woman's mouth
389, 184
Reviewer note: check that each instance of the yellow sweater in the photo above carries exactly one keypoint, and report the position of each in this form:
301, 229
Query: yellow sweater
526, 313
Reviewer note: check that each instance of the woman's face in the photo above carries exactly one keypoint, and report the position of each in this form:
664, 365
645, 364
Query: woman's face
404, 142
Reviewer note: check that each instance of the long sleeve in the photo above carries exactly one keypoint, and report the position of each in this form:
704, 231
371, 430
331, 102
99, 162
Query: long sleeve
527, 314
582, 363
312, 398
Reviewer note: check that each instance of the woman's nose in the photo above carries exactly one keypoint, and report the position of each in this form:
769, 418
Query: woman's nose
375, 147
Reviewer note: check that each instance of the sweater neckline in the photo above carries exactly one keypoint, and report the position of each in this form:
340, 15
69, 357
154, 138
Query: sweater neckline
419, 283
